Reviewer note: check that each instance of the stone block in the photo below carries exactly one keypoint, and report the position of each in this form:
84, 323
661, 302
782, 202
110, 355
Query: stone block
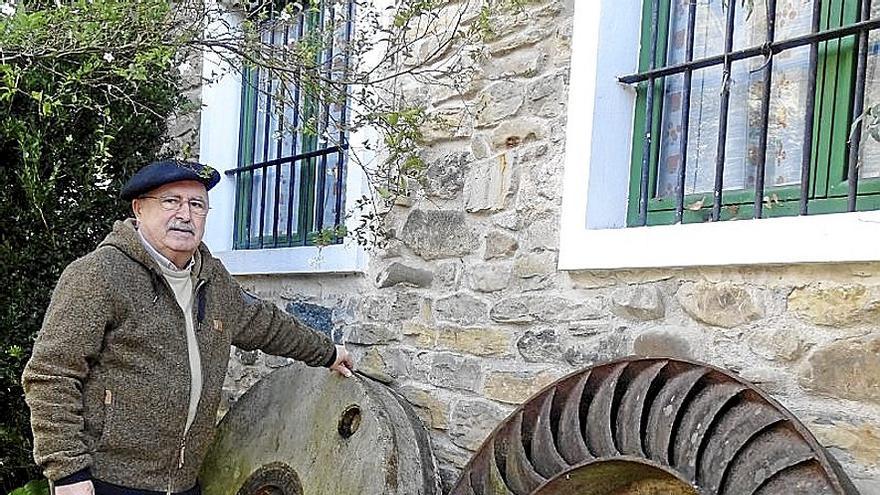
860, 440
849, 369
514, 387
448, 123
784, 344
371, 334
498, 102
499, 245
448, 370
540, 345
489, 277
510, 220
718, 304
541, 233
314, 315
664, 341
836, 305
424, 335
396, 306
433, 411
476, 341
488, 185
399, 273
547, 96
445, 175
449, 273
472, 420
534, 264
638, 303
519, 63
384, 364
460, 308
513, 132
436, 234
533, 307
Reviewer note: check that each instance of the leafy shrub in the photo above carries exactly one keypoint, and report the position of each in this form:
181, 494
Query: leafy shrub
86, 88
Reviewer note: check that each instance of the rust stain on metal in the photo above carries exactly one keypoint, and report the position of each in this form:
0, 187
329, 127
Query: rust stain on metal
643, 426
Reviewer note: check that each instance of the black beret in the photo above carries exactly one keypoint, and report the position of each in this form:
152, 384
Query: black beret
163, 172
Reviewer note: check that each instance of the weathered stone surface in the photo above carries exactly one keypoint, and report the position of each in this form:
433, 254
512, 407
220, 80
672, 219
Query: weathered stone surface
518, 39
519, 63
499, 245
447, 123
371, 334
771, 380
433, 411
638, 303
860, 440
836, 305
540, 345
664, 341
385, 364
534, 264
489, 277
314, 315
514, 387
510, 220
849, 369
480, 147
529, 308
449, 273
399, 305
541, 233
294, 415
448, 370
488, 185
547, 96
460, 308
445, 176
398, 273
784, 344
424, 335
435, 234
512, 133
721, 305
476, 341
592, 279
498, 102
472, 420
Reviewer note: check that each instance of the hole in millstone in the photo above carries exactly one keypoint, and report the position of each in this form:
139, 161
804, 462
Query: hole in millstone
272, 479
350, 421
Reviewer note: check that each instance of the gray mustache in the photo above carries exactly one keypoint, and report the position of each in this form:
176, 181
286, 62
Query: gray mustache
181, 226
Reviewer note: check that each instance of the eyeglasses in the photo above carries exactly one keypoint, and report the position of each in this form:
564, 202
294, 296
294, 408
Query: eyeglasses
198, 207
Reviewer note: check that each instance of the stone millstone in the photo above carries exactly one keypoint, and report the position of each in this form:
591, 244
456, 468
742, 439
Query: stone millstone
304, 430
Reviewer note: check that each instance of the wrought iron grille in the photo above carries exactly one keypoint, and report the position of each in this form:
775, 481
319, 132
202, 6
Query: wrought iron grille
292, 157
838, 45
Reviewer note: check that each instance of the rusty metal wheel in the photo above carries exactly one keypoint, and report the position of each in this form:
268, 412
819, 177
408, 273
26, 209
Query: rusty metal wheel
652, 426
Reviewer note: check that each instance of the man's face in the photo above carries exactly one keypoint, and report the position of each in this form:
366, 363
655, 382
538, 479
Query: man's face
176, 234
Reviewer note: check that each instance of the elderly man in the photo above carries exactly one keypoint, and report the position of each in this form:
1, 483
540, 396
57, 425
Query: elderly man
126, 373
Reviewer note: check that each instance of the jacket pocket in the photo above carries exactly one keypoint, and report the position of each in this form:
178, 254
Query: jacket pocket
108, 420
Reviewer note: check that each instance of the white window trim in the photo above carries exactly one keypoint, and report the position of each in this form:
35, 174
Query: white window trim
605, 45
219, 134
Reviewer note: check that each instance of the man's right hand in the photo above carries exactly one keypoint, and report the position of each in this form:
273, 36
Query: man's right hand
81, 488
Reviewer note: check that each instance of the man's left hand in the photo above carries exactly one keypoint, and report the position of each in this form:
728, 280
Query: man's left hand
344, 363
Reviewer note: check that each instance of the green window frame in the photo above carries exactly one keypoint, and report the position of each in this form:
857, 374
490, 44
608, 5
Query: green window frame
832, 122
308, 151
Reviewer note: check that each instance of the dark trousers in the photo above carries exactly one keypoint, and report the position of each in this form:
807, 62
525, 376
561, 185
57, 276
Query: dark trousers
104, 488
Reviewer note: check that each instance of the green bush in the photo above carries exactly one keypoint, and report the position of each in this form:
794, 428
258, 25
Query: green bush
86, 88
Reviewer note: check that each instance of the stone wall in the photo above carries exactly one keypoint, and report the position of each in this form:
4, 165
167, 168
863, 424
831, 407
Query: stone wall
466, 315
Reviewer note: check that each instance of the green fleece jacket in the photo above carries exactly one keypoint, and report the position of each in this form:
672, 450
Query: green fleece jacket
108, 382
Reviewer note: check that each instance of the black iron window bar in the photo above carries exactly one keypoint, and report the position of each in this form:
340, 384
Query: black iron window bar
319, 212
726, 59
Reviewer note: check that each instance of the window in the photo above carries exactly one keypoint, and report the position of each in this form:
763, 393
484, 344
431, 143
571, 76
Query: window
290, 182
601, 142
747, 110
